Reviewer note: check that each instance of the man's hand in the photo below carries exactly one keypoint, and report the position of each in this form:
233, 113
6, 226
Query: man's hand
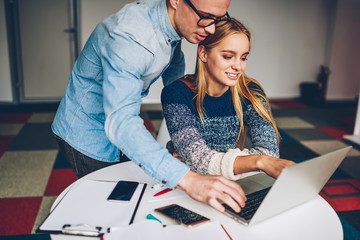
210, 189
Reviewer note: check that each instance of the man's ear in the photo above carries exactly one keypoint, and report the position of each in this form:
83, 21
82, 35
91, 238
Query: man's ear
202, 53
173, 3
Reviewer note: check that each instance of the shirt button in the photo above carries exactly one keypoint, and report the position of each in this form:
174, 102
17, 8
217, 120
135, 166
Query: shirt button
163, 182
140, 165
169, 40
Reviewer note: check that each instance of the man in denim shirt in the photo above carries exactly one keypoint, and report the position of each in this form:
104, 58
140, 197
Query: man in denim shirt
98, 124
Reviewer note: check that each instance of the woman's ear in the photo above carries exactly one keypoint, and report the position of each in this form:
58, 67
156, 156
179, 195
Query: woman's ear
202, 53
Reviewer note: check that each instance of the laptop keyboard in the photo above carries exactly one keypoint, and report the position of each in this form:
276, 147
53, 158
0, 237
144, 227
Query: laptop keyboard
252, 204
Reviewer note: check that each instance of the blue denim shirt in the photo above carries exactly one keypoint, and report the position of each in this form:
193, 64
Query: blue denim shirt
99, 113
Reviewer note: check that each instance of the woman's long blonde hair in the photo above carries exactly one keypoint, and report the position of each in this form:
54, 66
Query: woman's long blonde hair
241, 90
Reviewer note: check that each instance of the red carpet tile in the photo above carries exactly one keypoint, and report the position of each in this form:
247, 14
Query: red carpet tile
5, 142
18, 215
59, 180
336, 132
288, 104
14, 118
342, 194
149, 126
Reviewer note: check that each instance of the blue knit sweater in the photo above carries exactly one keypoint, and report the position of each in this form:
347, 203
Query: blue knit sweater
203, 146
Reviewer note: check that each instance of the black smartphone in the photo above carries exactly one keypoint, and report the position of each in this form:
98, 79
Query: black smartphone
182, 215
123, 191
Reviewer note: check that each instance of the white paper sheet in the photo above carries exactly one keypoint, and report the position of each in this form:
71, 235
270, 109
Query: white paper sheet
86, 203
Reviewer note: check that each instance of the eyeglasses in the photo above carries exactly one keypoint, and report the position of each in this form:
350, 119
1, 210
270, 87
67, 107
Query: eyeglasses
207, 21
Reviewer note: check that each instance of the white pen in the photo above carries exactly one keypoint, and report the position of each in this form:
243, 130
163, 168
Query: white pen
157, 186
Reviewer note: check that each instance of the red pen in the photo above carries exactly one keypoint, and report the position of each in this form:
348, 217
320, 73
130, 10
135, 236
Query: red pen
225, 231
163, 192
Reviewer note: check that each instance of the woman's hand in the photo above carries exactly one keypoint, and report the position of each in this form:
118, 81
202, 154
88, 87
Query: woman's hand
272, 166
176, 155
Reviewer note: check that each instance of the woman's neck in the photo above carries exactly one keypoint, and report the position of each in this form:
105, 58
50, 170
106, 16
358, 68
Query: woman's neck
216, 91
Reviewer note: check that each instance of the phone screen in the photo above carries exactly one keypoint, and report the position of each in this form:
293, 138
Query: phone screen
182, 215
123, 191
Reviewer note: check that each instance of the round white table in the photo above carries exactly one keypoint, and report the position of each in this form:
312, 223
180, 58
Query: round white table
314, 219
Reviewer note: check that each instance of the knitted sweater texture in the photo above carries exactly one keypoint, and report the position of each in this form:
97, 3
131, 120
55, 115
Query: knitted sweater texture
205, 146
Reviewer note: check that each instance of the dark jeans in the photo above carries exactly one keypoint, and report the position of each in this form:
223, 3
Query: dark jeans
80, 163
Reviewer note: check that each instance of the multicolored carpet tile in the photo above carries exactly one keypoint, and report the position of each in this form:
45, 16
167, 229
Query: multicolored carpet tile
33, 172
310, 131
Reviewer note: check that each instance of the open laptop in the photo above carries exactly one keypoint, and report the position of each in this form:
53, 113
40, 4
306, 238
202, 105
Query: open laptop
295, 185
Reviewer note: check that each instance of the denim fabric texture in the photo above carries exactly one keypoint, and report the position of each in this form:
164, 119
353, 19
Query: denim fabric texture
99, 113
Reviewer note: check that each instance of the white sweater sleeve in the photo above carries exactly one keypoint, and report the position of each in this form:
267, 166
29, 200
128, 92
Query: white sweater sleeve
223, 164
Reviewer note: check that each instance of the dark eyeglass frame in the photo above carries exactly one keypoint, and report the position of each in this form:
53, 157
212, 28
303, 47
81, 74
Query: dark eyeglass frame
215, 21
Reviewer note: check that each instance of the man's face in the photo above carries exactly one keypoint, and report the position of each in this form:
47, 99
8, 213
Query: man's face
186, 19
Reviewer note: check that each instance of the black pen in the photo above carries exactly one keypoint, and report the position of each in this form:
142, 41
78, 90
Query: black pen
137, 204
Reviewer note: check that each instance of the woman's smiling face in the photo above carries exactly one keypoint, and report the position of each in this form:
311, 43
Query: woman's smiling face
225, 63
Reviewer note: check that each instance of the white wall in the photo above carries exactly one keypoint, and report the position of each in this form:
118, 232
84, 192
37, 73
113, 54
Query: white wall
289, 42
5, 78
344, 81
291, 39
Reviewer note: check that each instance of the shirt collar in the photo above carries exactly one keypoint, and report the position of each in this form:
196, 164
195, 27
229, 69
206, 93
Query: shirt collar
166, 27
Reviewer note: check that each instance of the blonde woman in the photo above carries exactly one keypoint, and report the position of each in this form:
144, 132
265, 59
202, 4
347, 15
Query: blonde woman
208, 113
